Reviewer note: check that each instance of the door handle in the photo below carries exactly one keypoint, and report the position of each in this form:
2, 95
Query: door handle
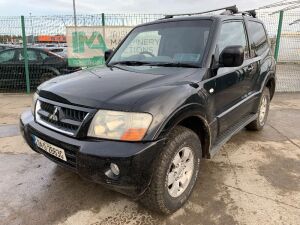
250, 68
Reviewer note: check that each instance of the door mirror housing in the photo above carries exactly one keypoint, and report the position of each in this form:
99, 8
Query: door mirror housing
107, 54
232, 56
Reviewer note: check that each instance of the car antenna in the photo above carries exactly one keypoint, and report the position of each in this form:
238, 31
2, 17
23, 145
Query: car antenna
228, 10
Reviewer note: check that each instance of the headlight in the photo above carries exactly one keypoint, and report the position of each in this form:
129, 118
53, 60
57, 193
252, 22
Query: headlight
125, 126
34, 99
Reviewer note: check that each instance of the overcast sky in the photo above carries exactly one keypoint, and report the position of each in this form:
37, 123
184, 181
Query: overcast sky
50, 7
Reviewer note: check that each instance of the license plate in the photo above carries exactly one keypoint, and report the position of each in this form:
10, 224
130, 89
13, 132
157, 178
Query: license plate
51, 149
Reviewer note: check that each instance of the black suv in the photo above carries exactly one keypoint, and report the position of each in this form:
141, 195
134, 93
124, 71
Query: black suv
173, 92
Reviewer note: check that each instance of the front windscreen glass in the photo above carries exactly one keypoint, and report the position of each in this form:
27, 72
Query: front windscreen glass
169, 43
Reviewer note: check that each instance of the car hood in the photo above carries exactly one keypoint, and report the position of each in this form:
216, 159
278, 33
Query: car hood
104, 87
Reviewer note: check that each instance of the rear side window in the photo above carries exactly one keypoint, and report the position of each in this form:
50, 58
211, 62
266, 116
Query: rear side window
259, 41
233, 33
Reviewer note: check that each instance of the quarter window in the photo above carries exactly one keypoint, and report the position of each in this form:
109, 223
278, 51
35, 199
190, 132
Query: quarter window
259, 41
233, 33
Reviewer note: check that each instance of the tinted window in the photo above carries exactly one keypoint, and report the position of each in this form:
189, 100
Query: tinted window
32, 56
7, 56
259, 42
233, 33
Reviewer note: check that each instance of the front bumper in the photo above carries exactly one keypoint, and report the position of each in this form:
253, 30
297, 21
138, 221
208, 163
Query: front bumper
91, 158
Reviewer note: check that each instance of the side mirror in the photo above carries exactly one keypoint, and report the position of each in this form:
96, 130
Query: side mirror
107, 54
232, 56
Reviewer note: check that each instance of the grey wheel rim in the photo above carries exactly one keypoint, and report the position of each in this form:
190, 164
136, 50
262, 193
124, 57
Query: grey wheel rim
180, 172
263, 110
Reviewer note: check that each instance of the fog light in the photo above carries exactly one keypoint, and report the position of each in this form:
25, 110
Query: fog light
115, 169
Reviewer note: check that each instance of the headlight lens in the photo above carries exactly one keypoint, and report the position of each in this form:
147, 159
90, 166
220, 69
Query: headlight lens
125, 126
34, 99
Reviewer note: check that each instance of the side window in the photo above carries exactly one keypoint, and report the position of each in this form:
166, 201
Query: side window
7, 56
258, 36
32, 56
233, 33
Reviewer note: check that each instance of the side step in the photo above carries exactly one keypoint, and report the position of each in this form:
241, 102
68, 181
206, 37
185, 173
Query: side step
229, 133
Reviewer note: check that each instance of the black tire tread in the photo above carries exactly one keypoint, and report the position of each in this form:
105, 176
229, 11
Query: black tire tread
153, 197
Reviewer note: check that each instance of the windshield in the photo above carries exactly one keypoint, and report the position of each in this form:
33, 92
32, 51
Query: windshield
179, 43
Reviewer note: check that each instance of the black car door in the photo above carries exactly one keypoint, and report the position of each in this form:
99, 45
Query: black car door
33, 64
229, 87
8, 71
260, 51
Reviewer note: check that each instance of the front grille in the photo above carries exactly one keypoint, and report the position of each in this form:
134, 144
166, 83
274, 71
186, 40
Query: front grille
62, 118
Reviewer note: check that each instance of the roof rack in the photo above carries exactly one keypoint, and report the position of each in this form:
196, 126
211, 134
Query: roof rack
249, 13
233, 9
229, 10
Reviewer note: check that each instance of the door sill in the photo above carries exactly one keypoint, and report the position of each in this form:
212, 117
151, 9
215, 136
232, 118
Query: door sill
229, 133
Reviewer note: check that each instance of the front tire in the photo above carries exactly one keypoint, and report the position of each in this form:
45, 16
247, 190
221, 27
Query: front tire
175, 172
263, 112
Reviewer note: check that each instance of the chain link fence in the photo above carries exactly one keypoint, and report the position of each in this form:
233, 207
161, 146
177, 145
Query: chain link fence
288, 62
47, 51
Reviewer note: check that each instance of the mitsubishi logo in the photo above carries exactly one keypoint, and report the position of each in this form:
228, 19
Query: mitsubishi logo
55, 115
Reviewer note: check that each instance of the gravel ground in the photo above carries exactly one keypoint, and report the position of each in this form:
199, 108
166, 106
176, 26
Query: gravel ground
254, 179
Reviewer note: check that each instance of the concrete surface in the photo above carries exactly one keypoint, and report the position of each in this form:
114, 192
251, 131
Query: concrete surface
255, 179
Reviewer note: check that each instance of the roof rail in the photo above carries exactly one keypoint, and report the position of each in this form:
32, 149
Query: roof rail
232, 9
249, 13
229, 10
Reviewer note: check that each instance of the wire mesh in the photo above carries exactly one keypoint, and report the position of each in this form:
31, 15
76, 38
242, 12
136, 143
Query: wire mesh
47, 48
10, 37
288, 64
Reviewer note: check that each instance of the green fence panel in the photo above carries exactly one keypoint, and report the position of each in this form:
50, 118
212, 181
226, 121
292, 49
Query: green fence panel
278, 35
26, 66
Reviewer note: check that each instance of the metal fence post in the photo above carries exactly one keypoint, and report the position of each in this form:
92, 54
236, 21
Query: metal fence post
103, 19
278, 35
25, 55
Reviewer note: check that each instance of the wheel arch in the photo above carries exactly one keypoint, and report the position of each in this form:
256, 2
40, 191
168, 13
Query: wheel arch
51, 69
191, 117
271, 84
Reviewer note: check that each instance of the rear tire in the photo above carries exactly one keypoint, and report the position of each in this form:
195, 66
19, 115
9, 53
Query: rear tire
175, 172
263, 112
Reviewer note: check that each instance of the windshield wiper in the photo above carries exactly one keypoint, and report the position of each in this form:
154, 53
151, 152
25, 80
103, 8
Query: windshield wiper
129, 63
175, 64
163, 64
